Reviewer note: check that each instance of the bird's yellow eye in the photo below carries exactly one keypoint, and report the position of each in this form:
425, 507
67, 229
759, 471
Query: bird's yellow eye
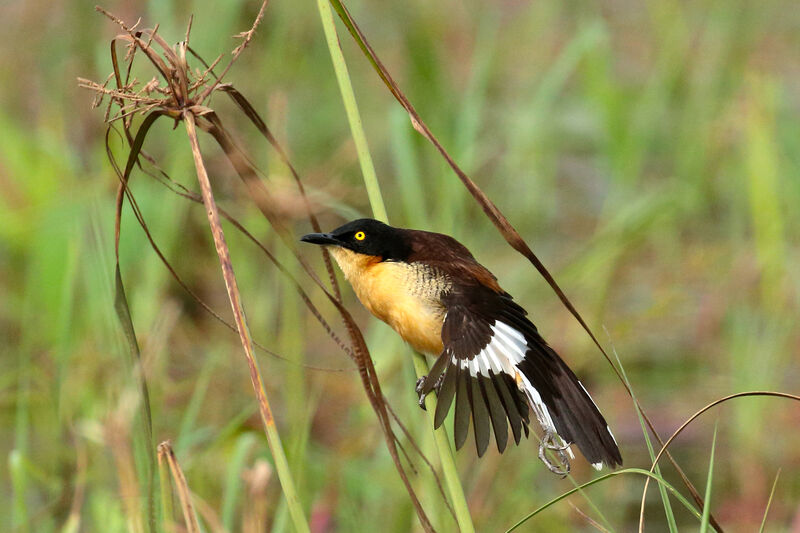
360, 236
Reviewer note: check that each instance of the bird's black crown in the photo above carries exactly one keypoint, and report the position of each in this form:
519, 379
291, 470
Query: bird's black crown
366, 236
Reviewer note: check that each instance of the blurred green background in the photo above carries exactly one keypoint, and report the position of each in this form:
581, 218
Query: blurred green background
649, 152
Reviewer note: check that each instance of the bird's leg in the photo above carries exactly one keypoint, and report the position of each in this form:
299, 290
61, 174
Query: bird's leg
420, 384
421, 387
549, 443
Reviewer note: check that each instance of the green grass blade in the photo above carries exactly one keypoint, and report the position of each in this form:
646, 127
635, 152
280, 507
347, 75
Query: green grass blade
671, 523
187, 435
678, 496
707, 507
446, 458
764, 173
19, 517
353, 116
143, 443
769, 502
379, 212
167, 507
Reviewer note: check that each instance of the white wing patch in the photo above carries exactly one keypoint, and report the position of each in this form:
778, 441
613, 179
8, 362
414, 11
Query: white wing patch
506, 349
514, 342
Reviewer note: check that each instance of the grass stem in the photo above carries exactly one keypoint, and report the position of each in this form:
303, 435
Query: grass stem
273, 438
379, 212
353, 116
446, 458
709, 479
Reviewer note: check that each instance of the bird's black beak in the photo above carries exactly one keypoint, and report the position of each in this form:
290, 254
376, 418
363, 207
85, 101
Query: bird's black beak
321, 238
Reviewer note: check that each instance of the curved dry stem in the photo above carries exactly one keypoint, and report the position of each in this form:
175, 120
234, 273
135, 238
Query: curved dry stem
691, 419
123, 313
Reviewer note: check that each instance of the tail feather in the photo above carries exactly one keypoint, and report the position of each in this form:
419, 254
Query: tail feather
573, 412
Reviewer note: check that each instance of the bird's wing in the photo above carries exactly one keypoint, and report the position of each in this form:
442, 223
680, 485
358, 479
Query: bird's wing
495, 364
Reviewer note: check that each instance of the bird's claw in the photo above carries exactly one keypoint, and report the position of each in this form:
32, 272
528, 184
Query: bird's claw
422, 395
549, 443
421, 386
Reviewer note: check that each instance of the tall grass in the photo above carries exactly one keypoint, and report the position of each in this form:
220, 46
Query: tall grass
448, 469
657, 186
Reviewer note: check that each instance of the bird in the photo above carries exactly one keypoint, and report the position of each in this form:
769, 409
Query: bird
490, 360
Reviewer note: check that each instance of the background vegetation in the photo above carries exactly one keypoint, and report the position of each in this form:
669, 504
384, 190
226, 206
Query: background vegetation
649, 153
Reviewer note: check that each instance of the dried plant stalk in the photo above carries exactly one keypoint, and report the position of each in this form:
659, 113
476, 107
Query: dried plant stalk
166, 455
181, 98
273, 438
180, 94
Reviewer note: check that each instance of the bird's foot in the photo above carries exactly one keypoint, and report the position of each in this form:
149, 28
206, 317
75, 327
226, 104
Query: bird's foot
549, 442
420, 384
421, 387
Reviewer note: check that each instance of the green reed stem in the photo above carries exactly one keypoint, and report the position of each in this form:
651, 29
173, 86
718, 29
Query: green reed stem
446, 458
353, 116
379, 212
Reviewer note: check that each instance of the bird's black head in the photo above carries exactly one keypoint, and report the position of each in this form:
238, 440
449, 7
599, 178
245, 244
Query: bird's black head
366, 236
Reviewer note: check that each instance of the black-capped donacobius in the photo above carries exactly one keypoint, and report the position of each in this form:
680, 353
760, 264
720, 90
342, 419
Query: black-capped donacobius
489, 357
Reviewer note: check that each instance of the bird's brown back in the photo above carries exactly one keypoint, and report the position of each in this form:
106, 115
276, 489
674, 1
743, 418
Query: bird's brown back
449, 256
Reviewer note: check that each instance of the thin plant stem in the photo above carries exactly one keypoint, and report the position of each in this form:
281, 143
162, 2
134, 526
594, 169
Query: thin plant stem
769, 502
167, 511
353, 116
709, 480
167, 455
670, 515
446, 458
273, 438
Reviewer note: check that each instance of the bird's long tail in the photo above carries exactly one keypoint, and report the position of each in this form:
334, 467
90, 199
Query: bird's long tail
562, 406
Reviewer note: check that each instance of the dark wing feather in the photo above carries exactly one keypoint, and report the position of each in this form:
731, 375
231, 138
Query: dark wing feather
575, 415
461, 419
496, 412
445, 396
493, 400
510, 400
490, 388
480, 414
